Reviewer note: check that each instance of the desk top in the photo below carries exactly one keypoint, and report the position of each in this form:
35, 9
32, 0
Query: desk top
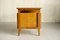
29, 8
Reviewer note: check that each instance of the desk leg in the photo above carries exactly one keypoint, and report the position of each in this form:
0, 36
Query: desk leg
38, 24
18, 24
18, 31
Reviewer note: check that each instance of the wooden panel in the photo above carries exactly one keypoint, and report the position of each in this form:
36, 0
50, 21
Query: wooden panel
29, 27
27, 19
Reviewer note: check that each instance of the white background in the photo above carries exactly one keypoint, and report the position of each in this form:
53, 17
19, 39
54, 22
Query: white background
50, 9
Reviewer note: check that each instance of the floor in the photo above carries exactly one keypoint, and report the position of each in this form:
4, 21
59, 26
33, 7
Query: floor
49, 31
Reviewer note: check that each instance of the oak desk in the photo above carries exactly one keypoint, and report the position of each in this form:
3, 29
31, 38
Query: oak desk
29, 18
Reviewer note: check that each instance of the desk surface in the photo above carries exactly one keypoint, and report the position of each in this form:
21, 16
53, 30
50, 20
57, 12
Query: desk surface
29, 8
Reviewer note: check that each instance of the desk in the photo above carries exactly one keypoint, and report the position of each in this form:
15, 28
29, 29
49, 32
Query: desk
29, 18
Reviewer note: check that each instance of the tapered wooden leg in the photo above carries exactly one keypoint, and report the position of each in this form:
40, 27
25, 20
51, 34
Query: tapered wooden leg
38, 31
18, 31
39, 23
18, 28
18, 23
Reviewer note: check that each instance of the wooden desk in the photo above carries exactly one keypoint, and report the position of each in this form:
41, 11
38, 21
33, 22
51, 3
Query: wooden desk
29, 18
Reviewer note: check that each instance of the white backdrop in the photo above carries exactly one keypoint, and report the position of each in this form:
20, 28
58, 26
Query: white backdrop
50, 9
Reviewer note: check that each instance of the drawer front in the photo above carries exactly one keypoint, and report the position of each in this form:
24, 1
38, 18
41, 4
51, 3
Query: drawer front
28, 20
